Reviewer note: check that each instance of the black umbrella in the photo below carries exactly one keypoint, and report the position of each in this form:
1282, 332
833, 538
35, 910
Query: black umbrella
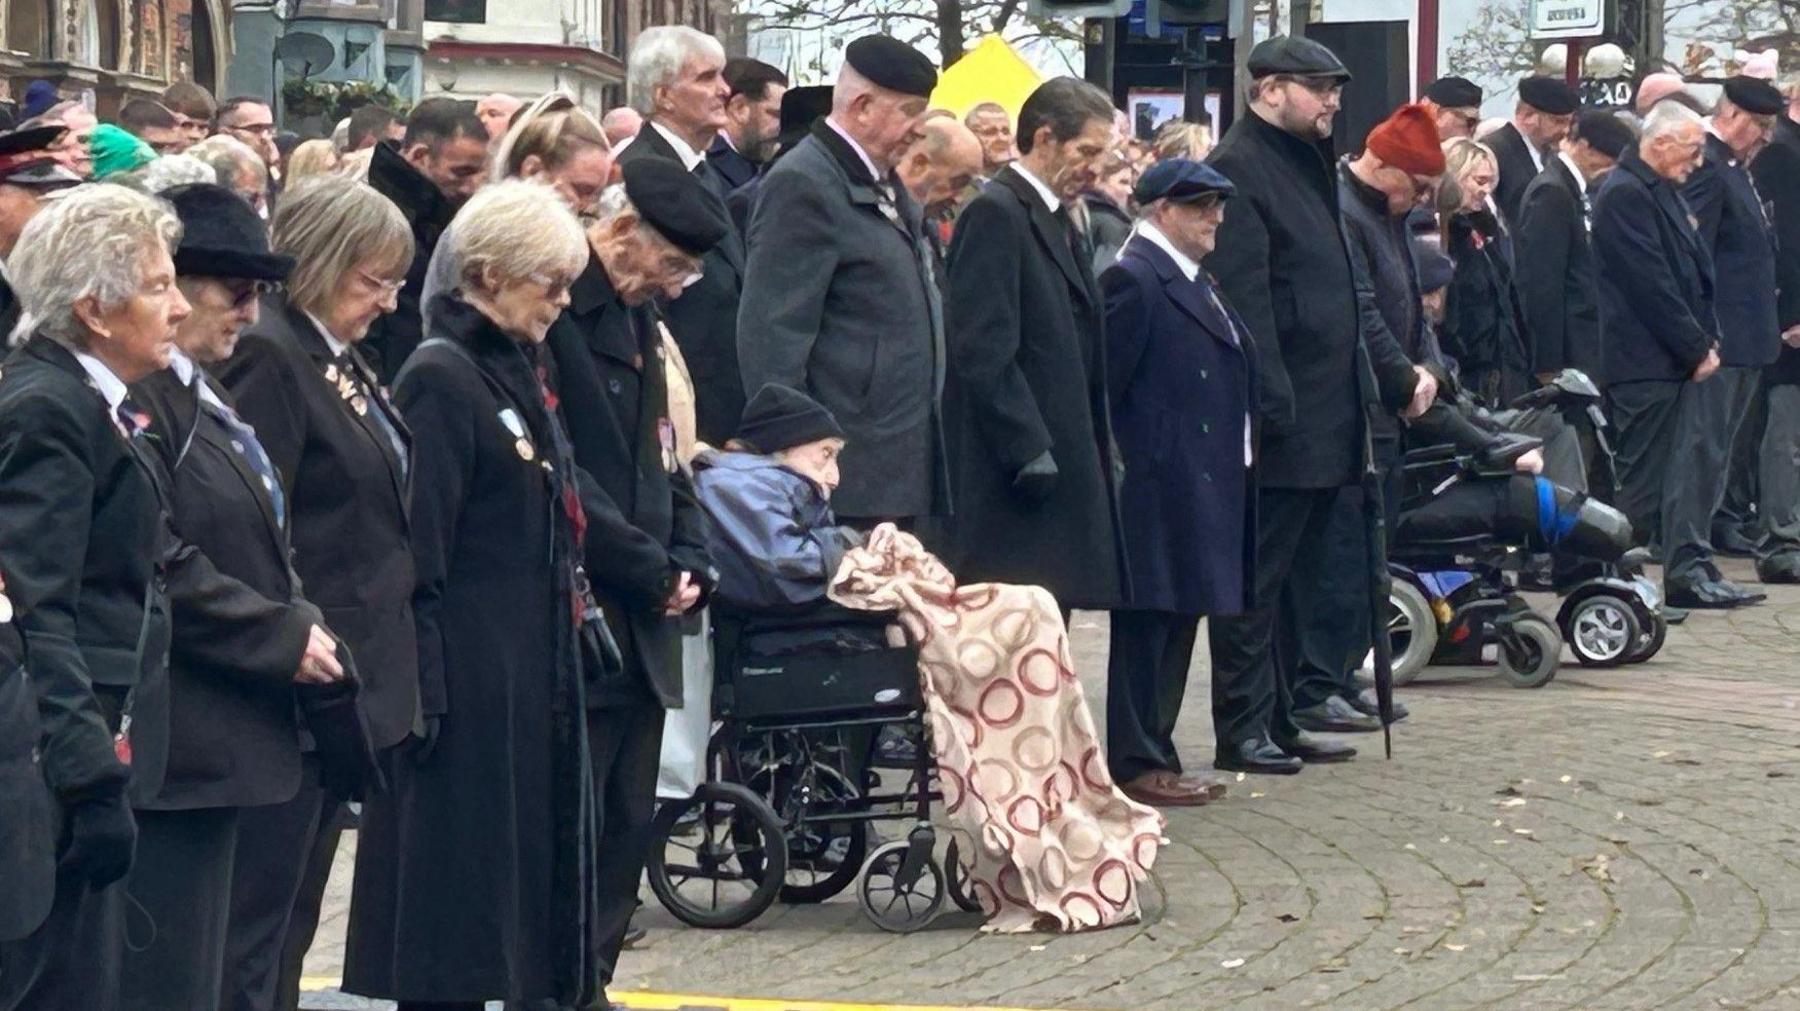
1380, 586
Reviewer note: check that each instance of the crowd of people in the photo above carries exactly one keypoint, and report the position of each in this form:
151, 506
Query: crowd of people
378, 467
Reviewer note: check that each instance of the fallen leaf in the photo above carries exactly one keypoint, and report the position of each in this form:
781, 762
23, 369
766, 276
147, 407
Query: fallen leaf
1409, 846
1661, 754
1231, 963
1523, 832
1568, 779
1513, 802
1287, 918
1036, 947
1455, 947
1256, 793
1443, 838
1508, 790
1402, 951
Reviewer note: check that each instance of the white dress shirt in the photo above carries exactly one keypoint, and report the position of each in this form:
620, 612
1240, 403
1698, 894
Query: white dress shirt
683, 150
111, 387
337, 347
867, 161
1049, 195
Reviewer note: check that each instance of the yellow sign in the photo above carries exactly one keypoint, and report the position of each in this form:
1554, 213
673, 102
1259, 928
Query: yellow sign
991, 72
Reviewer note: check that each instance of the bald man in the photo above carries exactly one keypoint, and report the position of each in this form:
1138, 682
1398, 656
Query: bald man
496, 112
940, 165
621, 124
993, 125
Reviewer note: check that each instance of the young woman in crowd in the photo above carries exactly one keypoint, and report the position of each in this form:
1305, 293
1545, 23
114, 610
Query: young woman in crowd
1484, 325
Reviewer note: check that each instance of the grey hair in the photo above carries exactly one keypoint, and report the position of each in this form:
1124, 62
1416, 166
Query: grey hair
1666, 118
658, 56
517, 227
89, 243
228, 156
332, 225
170, 171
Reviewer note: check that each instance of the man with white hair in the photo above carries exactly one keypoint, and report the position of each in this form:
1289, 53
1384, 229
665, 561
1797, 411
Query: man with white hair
1659, 341
237, 168
840, 300
676, 80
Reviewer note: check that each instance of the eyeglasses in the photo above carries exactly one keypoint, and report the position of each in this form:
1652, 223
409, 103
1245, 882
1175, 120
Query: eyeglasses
1323, 87
383, 285
554, 287
245, 292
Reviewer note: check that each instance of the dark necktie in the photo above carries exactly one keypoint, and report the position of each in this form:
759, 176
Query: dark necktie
245, 443
132, 421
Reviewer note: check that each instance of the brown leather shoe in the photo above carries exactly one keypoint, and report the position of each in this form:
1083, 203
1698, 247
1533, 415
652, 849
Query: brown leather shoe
1161, 788
1212, 787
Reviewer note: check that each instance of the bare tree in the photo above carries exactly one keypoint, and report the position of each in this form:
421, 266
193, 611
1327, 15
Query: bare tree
1497, 44
943, 25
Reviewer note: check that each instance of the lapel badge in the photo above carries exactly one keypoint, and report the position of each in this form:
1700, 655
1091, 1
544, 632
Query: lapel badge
359, 404
523, 446
331, 373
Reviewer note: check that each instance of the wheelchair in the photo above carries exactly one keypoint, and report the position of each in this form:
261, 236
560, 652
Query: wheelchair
793, 785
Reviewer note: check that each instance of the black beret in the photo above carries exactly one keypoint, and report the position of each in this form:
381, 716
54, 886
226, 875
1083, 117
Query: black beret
892, 64
1549, 94
1298, 57
1605, 132
781, 417
221, 236
676, 204
1454, 92
1754, 95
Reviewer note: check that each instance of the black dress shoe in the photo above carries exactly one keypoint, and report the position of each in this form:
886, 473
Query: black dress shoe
1711, 595
1308, 748
1365, 702
1336, 715
1258, 754
1781, 568
1746, 596
1732, 543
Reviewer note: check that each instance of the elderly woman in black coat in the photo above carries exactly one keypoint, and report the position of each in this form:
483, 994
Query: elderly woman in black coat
476, 875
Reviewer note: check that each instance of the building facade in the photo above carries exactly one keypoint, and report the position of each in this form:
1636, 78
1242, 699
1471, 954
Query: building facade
110, 51
327, 43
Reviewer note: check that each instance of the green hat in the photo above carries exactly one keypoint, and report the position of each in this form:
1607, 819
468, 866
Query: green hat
116, 150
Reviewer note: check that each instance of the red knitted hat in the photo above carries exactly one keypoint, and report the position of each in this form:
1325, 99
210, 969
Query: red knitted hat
1408, 140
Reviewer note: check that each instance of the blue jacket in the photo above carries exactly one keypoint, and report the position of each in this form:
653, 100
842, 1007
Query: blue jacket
1180, 389
1656, 278
772, 537
1735, 228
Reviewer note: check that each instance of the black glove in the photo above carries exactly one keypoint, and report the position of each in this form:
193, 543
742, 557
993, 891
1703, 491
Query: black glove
100, 839
1036, 480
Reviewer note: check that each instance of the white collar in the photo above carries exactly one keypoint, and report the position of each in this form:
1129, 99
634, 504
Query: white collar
1049, 195
683, 150
1537, 157
1155, 236
337, 347
1574, 170
111, 387
867, 161
188, 371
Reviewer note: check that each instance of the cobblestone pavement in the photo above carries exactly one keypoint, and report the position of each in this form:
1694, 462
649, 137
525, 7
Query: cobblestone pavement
1618, 839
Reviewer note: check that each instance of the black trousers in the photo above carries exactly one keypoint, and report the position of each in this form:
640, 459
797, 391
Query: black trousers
1146, 678
181, 885
626, 744
1738, 508
71, 961
278, 875
1250, 694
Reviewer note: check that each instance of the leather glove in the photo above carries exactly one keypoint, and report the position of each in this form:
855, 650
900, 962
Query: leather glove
1036, 480
101, 840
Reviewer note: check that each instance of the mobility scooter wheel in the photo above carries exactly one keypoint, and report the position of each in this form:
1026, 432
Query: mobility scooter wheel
701, 871
1650, 641
1412, 630
1603, 631
902, 887
1530, 649
957, 880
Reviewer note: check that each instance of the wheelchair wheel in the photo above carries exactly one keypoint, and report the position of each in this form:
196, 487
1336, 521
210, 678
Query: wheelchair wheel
957, 881
823, 856
1412, 630
902, 887
700, 871
1530, 650
1603, 631
1651, 639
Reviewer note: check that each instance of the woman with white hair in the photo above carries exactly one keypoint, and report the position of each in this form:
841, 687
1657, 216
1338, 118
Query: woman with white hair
80, 530
475, 874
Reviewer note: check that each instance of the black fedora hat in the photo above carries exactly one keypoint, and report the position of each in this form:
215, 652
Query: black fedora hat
221, 236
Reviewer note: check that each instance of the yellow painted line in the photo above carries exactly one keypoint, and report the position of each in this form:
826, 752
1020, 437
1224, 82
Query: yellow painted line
649, 1001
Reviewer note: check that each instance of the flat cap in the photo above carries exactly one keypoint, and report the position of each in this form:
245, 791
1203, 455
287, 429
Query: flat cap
1182, 180
25, 159
676, 204
892, 64
1754, 95
1549, 94
1604, 131
1454, 92
1301, 57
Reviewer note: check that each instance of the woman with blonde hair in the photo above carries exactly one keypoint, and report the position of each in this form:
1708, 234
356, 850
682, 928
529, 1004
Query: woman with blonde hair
1484, 321
1179, 138
311, 158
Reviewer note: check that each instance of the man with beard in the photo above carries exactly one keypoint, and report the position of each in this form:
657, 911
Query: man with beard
752, 121
1546, 108
441, 162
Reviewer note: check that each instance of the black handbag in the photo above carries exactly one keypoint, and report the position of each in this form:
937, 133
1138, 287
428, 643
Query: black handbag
348, 768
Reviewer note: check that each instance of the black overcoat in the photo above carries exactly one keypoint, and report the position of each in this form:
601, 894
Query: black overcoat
347, 498
1484, 323
240, 624
1517, 170
1283, 265
644, 525
1555, 272
841, 301
1777, 174
704, 319
1736, 229
1027, 350
474, 872
28, 833
733, 168
1182, 379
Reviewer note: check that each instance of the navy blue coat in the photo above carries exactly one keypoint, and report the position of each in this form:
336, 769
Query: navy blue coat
1656, 279
1735, 228
1180, 389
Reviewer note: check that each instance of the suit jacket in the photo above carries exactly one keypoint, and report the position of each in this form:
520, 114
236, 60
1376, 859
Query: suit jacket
1181, 377
348, 496
81, 544
394, 336
732, 166
1517, 170
240, 624
1283, 264
1028, 376
28, 833
1555, 273
1656, 278
840, 301
1736, 229
644, 525
1777, 174
704, 319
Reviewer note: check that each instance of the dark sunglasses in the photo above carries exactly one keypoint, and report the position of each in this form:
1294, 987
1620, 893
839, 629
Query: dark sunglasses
245, 292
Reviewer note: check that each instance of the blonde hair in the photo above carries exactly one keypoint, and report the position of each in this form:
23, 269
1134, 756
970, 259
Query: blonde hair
1460, 154
311, 158
554, 129
331, 225
1181, 139
91, 242
518, 228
